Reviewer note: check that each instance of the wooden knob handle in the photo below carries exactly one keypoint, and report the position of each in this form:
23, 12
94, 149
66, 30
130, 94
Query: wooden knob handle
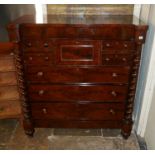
41, 92
125, 45
46, 58
108, 45
124, 59
45, 44
114, 75
30, 58
29, 44
44, 110
40, 73
113, 93
107, 59
112, 111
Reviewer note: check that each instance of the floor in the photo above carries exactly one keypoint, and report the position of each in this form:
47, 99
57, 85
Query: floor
12, 137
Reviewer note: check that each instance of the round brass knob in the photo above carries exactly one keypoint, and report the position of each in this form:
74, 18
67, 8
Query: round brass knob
125, 45
40, 73
113, 93
45, 44
44, 110
112, 111
114, 75
41, 92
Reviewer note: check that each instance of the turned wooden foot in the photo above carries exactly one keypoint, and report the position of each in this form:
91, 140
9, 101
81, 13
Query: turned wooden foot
29, 133
28, 127
126, 128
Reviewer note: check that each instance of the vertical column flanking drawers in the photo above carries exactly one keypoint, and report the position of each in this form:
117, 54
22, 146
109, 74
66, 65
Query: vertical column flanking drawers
78, 75
9, 96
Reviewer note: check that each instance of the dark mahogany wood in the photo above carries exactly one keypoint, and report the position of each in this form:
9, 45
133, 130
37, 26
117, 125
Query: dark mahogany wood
78, 72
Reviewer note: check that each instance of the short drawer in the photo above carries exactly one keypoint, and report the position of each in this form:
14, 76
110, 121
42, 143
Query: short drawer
118, 45
38, 59
8, 78
7, 64
117, 59
76, 111
34, 46
9, 93
84, 92
77, 74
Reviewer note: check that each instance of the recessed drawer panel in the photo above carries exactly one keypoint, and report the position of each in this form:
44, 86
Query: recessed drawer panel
8, 78
117, 59
78, 52
77, 75
38, 59
75, 111
77, 93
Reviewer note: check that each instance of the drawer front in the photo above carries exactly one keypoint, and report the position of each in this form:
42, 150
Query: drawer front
10, 109
118, 45
8, 78
38, 59
77, 93
7, 64
76, 52
9, 93
117, 59
33, 46
75, 111
115, 32
78, 75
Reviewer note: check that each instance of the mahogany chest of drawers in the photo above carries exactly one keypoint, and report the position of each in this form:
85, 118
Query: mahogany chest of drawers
78, 73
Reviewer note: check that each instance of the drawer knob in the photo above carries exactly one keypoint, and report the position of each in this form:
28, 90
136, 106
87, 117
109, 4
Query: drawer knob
113, 93
45, 44
112, 111
124, 59
30, 58
29, 45
108, 45
46, 58
114, 75
107, 59
40, 73
44, 110
41, 92
125, 45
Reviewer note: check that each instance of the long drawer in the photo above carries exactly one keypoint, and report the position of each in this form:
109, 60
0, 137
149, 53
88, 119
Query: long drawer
84, 92
76, 111
117, 32
77, 74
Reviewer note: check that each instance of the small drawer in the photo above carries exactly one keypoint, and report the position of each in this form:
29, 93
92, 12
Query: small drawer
105, 93
78, 74
76, 111
116, 59
7, 64
118, 45
38, 59
8, 78
37, 46
9, 93
77, 52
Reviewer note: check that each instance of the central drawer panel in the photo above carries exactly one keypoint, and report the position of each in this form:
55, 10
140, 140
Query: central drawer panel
85, 92
76, 111
77, 74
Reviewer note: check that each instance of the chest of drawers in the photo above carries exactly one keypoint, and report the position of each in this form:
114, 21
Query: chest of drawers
79, 74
